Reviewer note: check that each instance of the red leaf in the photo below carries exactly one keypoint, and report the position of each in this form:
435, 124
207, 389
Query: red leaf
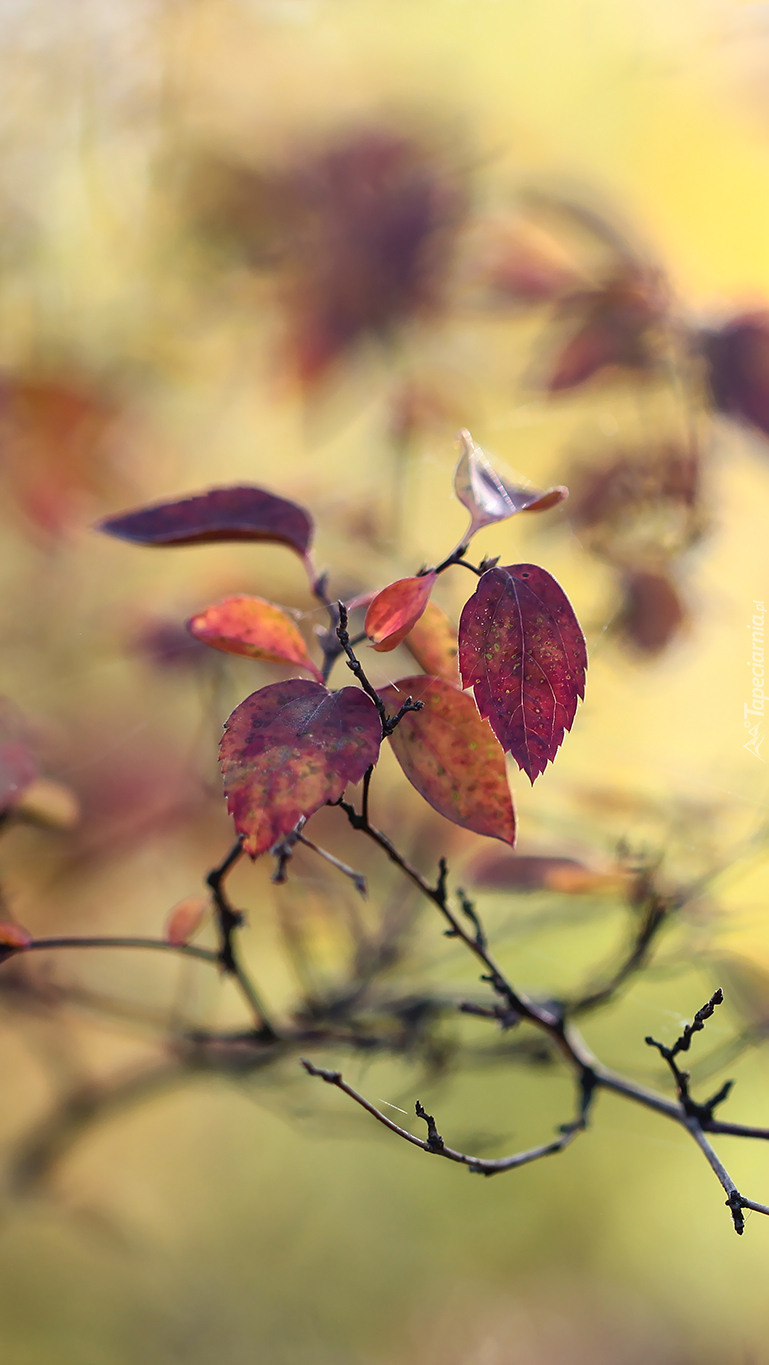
451, 756
489, 497
242, 513
13, 936
396, 609
522, 650
185, 919
433, 643
247, 625
288, 750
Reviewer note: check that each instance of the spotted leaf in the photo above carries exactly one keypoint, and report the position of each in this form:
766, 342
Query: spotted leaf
522, 651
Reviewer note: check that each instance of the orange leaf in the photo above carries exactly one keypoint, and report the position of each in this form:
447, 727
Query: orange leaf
247, 625
433, 643
185, 920
396, 609
13, 936
452, 757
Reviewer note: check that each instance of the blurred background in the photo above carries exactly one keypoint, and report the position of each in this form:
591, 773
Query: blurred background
299, 243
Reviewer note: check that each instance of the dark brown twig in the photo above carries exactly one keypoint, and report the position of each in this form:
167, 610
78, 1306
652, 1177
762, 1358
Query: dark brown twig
434, 1143
389, 723
228, 920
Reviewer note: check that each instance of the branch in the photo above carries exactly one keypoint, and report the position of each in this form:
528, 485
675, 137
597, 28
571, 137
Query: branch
228, 920
389, 723
457, 557
696, 1118
105, 941
434, 1143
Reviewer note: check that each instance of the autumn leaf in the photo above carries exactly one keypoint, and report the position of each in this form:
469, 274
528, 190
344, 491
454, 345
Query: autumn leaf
451, 756
250, 626
487, 496
532, 872
522, 650
618, 326
396, 609
240, 513
290, 748
185, 919
433, 643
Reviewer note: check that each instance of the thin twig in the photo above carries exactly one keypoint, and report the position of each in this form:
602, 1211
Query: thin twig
696, 1118
389, 723
357, 878
105, 941
435, 1145
228, 920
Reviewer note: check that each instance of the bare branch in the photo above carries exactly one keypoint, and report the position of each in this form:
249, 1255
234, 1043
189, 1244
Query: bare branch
228, 920
434, 1144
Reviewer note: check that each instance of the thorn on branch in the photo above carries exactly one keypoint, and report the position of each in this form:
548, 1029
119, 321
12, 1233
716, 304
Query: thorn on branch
435, 1142
330, 1077
683, 1043
703, 1113
710, 1105
735, 1203
283, 852
468, 909
394, 721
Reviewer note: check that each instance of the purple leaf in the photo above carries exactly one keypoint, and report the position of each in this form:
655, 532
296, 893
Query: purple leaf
240, 513
522, 650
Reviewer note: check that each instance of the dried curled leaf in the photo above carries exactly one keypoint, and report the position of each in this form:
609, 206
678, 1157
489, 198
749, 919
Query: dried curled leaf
240, 513
396, 609
257, 629
185, 919
522, 650
487, 496
13, 936
290, 748
433, 643
451, 756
